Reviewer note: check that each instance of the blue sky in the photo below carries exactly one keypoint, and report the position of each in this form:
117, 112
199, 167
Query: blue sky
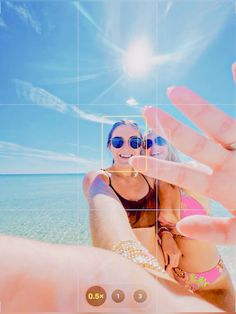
63, 74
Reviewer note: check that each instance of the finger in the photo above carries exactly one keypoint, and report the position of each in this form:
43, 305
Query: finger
178, 255
166, 258
178, 259
234, 71
174, 173
185, 139
175, 259
208, 118
172, 260
169, 271
215, 230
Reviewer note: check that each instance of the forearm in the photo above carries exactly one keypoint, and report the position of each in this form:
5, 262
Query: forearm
36, 277
40, 277
110, 270
108, 220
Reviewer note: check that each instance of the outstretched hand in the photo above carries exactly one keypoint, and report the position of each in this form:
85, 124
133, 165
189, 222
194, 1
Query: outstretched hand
215, 150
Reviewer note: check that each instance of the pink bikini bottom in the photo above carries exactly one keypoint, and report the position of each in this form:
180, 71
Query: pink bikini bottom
196, 281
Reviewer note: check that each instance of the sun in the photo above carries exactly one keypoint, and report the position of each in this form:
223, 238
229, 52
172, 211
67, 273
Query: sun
137, 60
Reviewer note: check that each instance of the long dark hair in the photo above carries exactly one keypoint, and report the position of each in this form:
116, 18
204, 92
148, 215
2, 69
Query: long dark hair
122, 122
134, 215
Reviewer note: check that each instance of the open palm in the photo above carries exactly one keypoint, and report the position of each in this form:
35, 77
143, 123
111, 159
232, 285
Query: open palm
213, 150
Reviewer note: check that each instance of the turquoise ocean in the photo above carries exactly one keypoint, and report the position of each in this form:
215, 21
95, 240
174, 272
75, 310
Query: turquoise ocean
48, 208
52, 208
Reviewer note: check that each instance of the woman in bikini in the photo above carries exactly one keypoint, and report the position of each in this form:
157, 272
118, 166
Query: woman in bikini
136, 192
200, 267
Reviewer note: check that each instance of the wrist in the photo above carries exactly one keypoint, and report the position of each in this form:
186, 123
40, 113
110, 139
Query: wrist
163, 230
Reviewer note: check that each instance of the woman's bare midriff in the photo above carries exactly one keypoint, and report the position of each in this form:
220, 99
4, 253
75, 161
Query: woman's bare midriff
197, 256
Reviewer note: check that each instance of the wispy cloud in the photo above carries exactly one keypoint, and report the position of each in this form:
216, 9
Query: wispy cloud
17, 158
132, 102
41, 97
24, 14
10, 149
90, 116
2, 23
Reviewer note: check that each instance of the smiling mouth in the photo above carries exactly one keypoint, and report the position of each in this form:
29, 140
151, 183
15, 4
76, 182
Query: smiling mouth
125, 155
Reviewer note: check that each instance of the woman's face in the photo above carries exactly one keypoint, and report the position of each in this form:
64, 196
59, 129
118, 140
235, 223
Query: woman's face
129, 137
160, 150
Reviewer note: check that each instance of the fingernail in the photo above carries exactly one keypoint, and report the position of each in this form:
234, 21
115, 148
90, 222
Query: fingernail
145, 108
170, 89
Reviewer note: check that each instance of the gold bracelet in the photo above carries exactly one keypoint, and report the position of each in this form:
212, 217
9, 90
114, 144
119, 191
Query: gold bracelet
137, 253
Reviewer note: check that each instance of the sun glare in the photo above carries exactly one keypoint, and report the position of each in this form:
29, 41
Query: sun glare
137, 60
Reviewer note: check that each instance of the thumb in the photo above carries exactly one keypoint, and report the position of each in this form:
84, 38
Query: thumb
213, 229
139, 163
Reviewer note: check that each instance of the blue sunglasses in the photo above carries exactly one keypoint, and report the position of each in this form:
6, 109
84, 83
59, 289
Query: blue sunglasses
134, 142
158, 140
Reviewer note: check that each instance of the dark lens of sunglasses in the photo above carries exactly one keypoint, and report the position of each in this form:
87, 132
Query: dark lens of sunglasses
147, 144
160, 141
117, 142
135, 142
